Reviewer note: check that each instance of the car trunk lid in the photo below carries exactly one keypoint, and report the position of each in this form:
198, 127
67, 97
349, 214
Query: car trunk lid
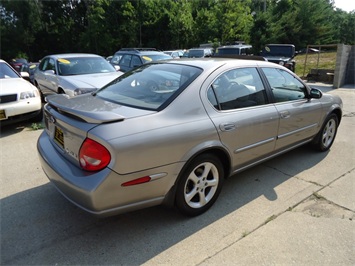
68, 120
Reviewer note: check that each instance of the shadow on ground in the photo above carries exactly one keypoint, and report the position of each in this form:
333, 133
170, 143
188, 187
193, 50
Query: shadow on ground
39, 226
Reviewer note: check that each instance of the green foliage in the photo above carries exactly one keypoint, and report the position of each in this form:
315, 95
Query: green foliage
35, 28
37, 126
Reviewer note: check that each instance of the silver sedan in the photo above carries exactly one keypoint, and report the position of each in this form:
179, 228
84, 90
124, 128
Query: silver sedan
73, 74
171, 132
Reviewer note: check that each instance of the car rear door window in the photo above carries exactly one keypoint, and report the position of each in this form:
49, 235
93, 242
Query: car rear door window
237, 88
126, 60
135, 61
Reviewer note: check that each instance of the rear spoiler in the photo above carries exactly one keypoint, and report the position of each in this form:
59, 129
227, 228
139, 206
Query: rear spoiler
60, 102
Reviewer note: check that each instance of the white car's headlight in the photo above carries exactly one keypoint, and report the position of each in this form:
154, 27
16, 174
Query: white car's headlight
281, 63
28, 94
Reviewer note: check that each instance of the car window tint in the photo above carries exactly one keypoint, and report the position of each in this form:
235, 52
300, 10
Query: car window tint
43, 64
135, 61
7, 72
116, 59
152, 89
126, 60
50, 64
284, 86
237, 88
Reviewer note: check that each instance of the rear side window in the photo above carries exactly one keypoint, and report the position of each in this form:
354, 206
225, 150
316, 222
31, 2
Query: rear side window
237, 88
284, 86
126, 60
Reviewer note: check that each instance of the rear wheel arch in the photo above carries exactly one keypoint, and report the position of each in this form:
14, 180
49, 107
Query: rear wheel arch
221, 154
199, 184
218, 152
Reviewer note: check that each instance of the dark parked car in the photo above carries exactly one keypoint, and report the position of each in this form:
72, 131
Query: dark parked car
169, 132
30, 68
129, 58
200, 52
17, 63
240, 49
281, 54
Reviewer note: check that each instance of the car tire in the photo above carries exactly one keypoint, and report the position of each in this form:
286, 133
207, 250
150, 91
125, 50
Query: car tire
199, 185
325, 137
40, 93
39, 117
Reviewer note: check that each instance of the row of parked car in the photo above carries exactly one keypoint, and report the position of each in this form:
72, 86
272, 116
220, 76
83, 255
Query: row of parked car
75, 74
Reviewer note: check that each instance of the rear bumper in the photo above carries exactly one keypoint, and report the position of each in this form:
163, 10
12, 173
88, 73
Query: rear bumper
101, 193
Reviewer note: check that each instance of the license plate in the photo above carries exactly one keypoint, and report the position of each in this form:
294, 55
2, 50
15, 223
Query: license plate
2, 114
59, 137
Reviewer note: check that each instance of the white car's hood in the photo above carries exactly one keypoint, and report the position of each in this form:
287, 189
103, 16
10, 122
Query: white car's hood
91, 81
15, 85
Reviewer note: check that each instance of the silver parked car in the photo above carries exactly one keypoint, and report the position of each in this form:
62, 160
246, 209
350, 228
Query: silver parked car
170, 132
73, 74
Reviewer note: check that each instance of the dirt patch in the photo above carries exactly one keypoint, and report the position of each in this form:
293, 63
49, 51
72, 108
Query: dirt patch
321, 207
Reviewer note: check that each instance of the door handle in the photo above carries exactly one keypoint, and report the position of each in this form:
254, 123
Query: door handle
285, 114
227, 127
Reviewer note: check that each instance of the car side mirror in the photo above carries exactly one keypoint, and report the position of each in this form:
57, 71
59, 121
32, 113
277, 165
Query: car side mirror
315, 93
50, 72
25, 75
117, 67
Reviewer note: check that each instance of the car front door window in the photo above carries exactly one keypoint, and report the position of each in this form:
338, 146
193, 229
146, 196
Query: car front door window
284, 86
299, 116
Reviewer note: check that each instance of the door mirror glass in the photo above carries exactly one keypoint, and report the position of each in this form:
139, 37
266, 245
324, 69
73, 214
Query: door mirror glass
315, 93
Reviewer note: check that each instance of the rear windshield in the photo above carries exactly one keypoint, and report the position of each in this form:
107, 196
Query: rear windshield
286, 51
234, 51
196, 53
151, 86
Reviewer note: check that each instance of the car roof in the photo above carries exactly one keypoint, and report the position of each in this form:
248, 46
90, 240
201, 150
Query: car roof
279, 44
216, 62
72, 55
139, 51
236, 46
201, 48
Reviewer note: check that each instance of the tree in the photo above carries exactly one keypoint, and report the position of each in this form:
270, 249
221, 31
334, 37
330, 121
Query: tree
19, 22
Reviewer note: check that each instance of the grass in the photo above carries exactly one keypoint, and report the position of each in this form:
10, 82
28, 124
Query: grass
37, 126
327, 60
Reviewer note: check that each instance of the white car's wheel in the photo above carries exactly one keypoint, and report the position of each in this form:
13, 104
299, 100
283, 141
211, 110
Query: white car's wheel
199, 185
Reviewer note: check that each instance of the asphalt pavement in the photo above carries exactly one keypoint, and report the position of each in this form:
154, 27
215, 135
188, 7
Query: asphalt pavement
297, 209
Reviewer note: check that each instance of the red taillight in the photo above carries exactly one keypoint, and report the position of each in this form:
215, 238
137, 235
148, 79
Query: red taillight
93, 156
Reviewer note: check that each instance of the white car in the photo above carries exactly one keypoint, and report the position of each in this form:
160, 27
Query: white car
19, 99
73, 74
